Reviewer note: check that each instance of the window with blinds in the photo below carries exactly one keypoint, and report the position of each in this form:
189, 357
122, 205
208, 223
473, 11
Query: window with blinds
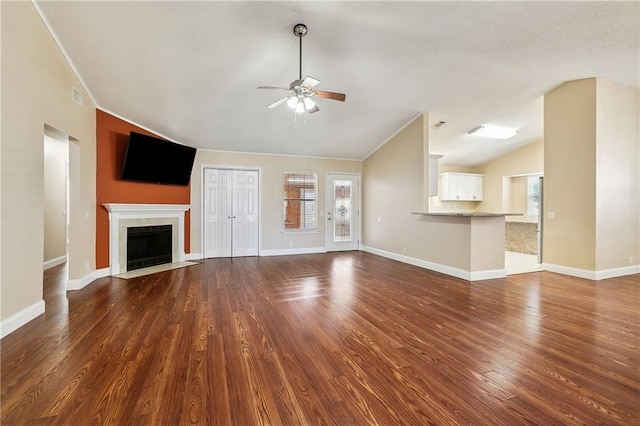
300, 192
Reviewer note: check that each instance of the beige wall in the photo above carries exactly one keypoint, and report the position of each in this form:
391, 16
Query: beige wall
518, 195
591, 175
487, 243
617, 169
393, 187
497, 196
36, 91
56, 153
528, 159
570, 174
272, 168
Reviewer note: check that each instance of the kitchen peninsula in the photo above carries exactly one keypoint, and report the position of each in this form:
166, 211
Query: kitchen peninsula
475, 243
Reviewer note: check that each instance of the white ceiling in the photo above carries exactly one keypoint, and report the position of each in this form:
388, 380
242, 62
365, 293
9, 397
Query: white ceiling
189, 70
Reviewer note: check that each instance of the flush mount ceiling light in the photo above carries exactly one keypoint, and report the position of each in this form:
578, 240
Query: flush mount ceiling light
495, 132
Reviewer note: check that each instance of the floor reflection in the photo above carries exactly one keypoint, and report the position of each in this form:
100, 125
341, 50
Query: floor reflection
342, 285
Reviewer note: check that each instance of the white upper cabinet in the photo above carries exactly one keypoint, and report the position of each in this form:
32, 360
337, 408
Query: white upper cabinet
460, 186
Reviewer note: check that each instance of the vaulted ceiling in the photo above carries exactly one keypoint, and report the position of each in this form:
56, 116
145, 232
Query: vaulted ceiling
189, 70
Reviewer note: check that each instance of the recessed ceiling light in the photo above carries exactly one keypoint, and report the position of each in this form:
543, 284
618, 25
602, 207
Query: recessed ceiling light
495, 132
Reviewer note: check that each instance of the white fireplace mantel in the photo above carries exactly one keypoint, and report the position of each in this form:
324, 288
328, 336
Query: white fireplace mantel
143, 210
120, 214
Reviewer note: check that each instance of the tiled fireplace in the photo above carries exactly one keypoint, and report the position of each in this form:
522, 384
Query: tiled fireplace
124, 216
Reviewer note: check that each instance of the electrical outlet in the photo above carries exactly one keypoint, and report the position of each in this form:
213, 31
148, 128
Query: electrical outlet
551, 215
630, 260
404, 250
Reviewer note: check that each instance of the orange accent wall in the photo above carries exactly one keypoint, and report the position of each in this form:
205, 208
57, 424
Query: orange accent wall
112, 135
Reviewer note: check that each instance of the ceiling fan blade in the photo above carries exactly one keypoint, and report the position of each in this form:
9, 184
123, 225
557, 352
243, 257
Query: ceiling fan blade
278, 102
331, 95
309, 82
272, 87
314, 109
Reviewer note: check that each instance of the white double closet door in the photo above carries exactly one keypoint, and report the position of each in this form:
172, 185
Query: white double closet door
231, 213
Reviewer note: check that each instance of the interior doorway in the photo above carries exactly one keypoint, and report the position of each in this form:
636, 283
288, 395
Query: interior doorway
523, 234
230, 212
343, 212
56, 198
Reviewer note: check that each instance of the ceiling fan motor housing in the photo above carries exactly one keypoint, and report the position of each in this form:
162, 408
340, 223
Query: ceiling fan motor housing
300, 30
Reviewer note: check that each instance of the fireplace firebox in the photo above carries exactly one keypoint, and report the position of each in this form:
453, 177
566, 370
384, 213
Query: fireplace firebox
148, 246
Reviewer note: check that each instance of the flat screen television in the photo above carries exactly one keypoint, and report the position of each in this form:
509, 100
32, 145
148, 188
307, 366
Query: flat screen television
154, 160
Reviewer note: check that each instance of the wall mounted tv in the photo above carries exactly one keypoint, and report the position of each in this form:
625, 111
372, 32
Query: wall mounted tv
154, 160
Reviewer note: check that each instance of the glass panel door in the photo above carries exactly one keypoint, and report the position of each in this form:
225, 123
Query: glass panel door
343, 212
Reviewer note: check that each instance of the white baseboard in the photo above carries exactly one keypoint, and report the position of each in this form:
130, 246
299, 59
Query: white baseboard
617, 272
444, 269
54, 262
193, 256
290, 251
488, 274
19, 319
101, 273
592, 275
80, 283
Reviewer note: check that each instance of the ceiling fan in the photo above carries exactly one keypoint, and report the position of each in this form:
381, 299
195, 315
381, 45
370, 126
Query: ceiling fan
300, 93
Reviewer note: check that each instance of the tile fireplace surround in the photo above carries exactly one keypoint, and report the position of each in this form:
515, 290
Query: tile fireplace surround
122, 216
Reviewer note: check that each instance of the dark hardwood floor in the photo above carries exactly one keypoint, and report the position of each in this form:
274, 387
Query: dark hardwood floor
342, 338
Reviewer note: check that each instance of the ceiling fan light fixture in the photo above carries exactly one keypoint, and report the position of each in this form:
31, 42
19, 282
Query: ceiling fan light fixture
308, 103
292, 102
494, 132
300, 107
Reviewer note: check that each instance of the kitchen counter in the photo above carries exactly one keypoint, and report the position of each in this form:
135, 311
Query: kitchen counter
467, 214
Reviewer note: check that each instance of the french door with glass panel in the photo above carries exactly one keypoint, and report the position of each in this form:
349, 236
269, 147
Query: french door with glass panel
230, 213
343, 212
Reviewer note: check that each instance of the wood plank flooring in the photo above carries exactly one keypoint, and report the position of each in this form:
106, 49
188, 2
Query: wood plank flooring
336, 339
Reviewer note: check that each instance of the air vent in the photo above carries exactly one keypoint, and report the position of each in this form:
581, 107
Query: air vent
438, 124
76, 96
